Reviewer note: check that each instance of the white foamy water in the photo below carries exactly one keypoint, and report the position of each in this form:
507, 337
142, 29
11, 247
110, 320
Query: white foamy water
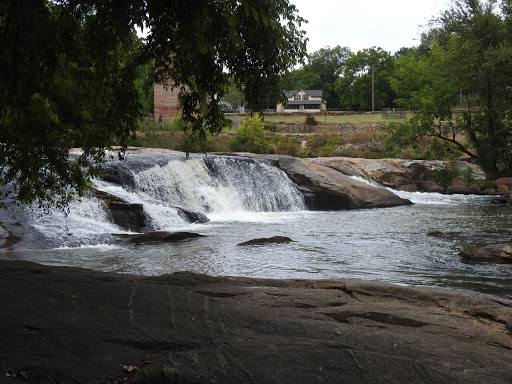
219, 185
87, 223
425, 197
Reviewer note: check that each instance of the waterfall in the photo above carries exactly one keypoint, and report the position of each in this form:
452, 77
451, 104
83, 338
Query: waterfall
221, 184
163, 183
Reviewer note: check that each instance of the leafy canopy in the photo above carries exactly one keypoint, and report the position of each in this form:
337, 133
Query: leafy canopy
459, 82
320, 72
72, 72
354, 85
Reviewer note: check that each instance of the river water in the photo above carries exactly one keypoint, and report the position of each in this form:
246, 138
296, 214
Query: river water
390, 244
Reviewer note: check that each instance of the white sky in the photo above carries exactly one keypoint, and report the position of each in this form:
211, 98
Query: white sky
360, 24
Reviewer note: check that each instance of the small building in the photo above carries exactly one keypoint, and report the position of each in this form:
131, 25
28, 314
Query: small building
166, 103
309, 100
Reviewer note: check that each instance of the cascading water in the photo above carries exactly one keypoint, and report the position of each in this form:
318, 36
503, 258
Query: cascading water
211, 185
221, 184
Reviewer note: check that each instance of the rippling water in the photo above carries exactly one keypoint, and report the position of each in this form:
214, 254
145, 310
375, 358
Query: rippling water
390, 245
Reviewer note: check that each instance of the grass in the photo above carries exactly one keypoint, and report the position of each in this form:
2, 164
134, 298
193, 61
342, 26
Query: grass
322, 118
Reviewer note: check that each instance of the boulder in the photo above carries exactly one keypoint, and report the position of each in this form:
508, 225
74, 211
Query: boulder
431, 186
118, 174
131, 216
507, 181
458, 186
158, 237
127, 215
399, 181
504, 199
326, 188
4, 236
475, 189
268, 240
193, 217
493, 253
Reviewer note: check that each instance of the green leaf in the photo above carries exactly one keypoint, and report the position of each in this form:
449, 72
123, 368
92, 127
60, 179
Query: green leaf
255, 14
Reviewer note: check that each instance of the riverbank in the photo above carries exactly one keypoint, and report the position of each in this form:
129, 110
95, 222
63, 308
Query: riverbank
72, 325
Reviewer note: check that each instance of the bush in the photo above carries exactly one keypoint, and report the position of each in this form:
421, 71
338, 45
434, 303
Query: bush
251, 137
310, 120
468, 176
402, 140
444, 176
324, 144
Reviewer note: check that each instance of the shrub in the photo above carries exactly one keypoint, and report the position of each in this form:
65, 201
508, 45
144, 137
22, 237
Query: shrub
323, 144
444, 176
402, 140
468, 176
286, 145
310, 120
250, 137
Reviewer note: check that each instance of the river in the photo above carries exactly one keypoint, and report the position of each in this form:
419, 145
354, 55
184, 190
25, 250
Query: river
247, 200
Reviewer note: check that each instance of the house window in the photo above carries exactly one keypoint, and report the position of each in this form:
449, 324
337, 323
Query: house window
305, 97
297, 97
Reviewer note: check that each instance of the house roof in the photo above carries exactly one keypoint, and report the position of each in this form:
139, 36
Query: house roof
310, 92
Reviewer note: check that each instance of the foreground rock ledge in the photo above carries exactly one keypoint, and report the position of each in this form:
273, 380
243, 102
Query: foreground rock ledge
72, 325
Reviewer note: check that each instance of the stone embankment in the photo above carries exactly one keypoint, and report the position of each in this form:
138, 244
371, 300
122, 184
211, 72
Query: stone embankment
399, 174
69, 325
404, 175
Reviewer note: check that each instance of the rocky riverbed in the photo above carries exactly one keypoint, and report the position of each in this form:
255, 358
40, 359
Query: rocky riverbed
69, 325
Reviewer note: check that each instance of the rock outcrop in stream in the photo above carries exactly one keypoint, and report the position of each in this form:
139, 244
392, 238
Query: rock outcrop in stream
329, 188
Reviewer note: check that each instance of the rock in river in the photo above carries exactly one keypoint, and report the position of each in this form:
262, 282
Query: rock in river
159, 236
327, 188
494, 253
268, 240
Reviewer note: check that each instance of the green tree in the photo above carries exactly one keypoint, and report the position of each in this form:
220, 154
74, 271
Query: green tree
354, 86
460, 86
320, 72
234, 96
72, 69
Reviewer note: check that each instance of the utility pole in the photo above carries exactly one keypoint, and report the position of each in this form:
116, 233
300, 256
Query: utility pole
373, 89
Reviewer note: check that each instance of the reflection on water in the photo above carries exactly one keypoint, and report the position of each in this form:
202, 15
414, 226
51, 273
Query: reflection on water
391, 245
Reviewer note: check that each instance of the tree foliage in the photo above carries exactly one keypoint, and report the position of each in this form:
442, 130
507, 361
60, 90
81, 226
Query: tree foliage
320, 72
72, 69
459, 82
354, 86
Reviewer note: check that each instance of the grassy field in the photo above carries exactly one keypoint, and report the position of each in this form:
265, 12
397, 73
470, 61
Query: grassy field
328, 118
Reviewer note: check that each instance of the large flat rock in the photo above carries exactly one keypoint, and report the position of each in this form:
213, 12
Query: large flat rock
326, 187
71, 325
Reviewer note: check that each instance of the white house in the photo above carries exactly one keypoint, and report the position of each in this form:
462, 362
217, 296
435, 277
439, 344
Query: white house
309, 100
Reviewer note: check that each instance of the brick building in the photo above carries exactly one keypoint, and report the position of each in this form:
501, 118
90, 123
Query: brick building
166, 103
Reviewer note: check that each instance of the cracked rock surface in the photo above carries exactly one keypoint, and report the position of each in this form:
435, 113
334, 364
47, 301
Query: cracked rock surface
72, 325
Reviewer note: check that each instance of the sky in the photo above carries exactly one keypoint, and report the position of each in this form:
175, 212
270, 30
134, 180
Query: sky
360, 24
